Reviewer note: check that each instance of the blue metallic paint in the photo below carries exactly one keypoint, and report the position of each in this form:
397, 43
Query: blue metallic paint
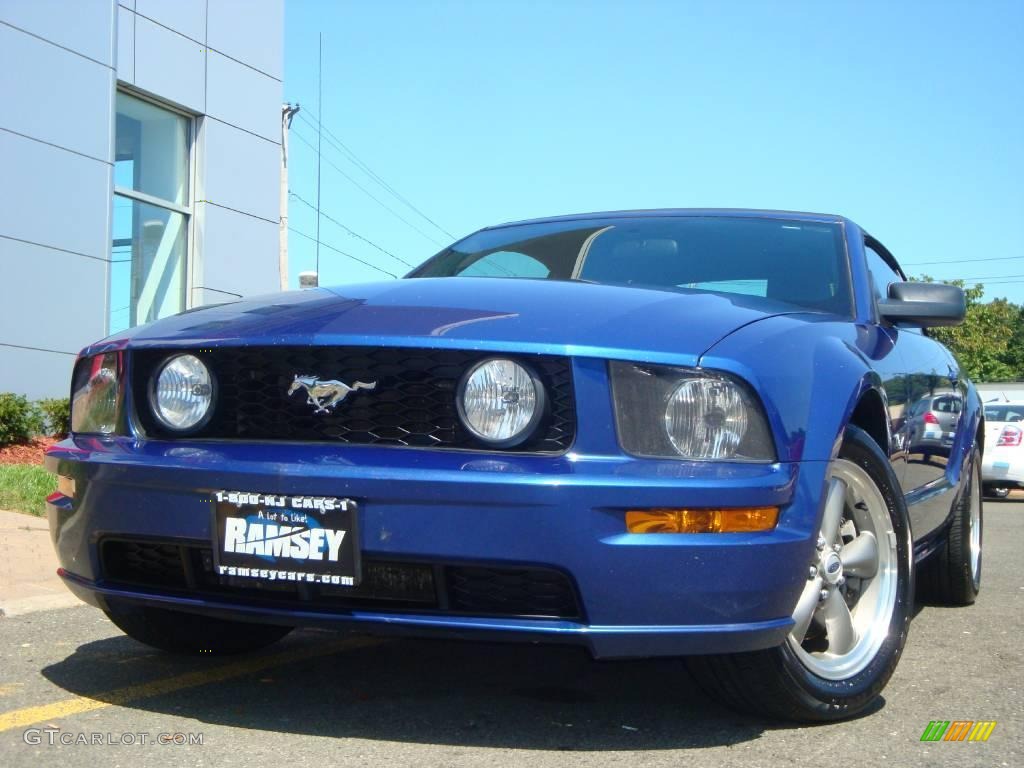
642, 594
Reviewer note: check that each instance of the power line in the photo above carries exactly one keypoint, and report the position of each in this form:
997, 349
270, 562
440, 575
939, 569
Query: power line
338, 250
959, 261
354, 158
365, 191
352, 232
985, 277
986, 284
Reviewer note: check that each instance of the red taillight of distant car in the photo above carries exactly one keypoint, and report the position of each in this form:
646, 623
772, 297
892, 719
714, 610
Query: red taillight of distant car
1010, 436
929, 418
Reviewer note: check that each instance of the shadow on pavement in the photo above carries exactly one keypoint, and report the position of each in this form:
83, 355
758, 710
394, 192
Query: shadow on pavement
431, 692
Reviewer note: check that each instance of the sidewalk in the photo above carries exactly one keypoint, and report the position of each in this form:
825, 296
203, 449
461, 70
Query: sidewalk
28, 567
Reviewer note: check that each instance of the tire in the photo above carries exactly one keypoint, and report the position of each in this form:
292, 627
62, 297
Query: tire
952, 575
828, 670
191, 633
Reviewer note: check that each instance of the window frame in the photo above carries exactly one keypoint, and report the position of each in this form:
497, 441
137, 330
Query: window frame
188, 210
870, 243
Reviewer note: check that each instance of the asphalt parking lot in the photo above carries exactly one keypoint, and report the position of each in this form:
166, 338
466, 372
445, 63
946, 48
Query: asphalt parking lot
69, 676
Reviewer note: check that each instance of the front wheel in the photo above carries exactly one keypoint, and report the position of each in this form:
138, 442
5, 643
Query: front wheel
851, 620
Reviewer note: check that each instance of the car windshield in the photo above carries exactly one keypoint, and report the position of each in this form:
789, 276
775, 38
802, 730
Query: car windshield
1009, 412
793, 261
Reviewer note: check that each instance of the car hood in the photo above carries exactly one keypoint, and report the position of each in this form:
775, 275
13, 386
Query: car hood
541, 316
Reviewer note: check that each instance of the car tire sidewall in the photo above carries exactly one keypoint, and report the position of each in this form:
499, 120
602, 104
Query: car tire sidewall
831, 697
962, 518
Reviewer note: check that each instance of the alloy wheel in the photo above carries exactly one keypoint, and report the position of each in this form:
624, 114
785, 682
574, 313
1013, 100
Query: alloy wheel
844, 611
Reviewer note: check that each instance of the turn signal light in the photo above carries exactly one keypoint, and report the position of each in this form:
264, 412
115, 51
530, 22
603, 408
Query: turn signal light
702, 520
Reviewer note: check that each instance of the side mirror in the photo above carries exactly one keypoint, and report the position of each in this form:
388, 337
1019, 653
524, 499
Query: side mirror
924, 304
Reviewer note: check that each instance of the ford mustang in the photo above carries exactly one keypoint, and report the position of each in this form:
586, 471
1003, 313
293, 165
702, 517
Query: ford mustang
648, 433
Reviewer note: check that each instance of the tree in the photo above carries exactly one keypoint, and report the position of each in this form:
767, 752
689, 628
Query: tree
988, 343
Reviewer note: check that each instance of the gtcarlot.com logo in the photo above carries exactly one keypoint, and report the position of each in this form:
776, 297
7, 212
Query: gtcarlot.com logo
958, 730
55, 736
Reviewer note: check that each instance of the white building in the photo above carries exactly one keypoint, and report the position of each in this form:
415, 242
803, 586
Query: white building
140, 144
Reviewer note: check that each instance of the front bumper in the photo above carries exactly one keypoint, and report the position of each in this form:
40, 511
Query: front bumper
1003, 467
639, 594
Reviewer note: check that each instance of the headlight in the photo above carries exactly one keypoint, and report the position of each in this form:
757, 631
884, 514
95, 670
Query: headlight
96, 394
500, 402
688, 414
182, 393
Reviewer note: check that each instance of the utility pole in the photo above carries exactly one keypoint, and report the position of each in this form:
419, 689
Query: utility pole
287, 113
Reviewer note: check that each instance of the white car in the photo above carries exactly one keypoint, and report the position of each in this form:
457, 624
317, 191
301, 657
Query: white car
1002, 467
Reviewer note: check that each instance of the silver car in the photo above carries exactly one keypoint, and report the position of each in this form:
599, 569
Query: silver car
933, 422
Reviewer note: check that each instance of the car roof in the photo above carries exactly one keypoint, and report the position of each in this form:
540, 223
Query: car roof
750, 213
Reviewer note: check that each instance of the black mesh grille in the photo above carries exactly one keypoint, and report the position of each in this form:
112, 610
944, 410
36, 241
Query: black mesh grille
394, 586
507, 591
144, 563
412, 402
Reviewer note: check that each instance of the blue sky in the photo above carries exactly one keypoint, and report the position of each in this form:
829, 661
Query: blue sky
908, 118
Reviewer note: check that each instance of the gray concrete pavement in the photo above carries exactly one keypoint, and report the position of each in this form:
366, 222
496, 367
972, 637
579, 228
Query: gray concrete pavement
321, 698
28, 567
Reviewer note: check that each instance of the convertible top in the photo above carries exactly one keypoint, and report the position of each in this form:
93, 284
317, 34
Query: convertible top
751, 213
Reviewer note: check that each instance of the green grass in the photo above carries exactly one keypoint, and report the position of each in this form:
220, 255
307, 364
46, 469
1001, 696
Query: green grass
24, 488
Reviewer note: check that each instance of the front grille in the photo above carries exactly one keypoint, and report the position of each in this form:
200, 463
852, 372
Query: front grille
525, 592
511, 591
411, 404
144, 563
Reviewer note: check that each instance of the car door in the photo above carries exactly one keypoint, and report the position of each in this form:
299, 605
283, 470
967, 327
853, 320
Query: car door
891, 367
930, 373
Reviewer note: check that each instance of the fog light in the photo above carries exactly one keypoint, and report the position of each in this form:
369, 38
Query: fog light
500, 402
182, 393
702, 520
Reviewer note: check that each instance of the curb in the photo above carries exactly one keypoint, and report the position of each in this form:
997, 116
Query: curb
26, 605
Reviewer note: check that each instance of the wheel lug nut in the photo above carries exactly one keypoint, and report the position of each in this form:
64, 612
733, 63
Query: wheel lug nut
812, 573
824, 595
821, 543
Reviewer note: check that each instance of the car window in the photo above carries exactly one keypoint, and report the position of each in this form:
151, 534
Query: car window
798, 262
1004, 413
506, 264
882, 275
947, 405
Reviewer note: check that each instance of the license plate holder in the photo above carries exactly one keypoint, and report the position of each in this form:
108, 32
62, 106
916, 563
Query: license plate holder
284, 537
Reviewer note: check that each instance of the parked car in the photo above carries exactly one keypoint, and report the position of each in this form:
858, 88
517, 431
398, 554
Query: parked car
1003, 465
652, 433
934, 421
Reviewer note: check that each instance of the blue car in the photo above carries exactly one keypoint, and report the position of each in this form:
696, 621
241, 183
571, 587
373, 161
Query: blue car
647, 433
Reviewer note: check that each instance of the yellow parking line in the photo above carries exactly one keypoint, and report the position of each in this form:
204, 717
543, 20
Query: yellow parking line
21, 718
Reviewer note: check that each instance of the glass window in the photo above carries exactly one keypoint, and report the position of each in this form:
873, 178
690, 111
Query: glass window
151, 150
147, 276
1004, 413
151, 214
506, 264
882, 275
798, 262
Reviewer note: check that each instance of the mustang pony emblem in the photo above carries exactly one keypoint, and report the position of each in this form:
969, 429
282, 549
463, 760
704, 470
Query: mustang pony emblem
325, 394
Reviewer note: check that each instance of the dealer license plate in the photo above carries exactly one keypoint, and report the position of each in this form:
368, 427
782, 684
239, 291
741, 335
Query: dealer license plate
280, 537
